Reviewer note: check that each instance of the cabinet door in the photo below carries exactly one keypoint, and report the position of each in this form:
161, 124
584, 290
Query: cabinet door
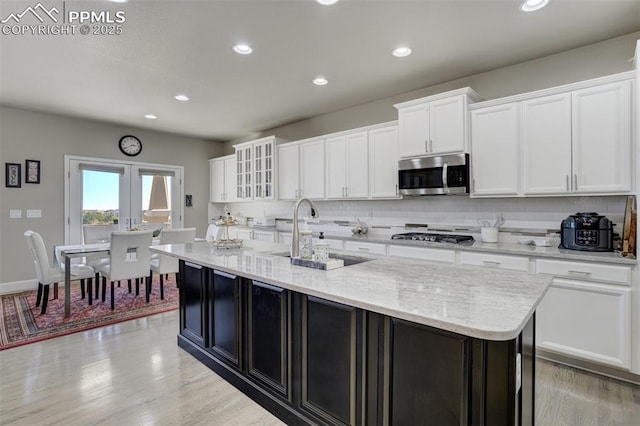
230, 176
586, 320
245, 180
336, 167
329, 360
546, 141
357, 170
414, 130
216, 181
193, 306
495, 150
268, 343
258, 171
383, 163
427, 374
447, 120
268, 236
225, 325
312, 169
263, 170
602, 138
284, 238
288, 173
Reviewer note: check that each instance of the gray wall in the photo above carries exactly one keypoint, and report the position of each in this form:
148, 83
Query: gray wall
595, 60
48, 138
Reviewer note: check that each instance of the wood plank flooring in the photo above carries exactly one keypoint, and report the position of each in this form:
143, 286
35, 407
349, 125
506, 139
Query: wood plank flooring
133, 373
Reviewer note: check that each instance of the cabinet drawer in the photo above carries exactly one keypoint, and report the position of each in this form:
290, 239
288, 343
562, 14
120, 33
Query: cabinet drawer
515, 263
585, 271
447, 256
365, 247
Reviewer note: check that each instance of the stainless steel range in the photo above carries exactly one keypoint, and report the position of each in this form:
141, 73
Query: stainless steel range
438, 238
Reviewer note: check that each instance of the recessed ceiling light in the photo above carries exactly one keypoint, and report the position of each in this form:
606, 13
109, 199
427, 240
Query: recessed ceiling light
150, 116
243, 49
320, 81
327, 2
181, 97
533, 5
402, 51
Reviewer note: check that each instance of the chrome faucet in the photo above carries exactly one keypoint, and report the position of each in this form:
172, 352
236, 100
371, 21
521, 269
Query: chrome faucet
295, 237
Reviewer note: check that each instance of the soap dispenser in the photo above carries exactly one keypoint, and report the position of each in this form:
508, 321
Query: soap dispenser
321, 249
306, 241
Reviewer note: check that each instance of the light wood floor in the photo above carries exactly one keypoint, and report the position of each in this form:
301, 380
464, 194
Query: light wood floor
133, 373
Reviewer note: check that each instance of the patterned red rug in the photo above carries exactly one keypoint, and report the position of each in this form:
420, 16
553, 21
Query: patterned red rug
21, 322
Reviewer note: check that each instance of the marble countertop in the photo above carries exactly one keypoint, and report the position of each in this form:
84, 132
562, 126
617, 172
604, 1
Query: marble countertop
485, 303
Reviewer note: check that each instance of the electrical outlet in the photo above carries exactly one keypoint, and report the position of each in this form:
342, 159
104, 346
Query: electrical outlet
34, 213
15, 214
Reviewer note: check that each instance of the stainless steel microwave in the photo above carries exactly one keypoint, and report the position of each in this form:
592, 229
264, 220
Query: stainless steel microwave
439, 175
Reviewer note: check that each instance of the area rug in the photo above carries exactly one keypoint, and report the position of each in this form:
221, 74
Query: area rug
21, 322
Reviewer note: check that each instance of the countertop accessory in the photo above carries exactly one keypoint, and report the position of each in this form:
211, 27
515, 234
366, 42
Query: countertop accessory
360, 228
327, 265
295, 235
629, 230
489, 234
586, 231
321, 249
431, 237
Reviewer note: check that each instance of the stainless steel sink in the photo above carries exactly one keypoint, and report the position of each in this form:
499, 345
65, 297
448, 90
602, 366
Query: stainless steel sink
347, 259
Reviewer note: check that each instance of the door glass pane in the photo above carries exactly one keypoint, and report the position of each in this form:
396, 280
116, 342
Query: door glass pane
100, 198
156, 200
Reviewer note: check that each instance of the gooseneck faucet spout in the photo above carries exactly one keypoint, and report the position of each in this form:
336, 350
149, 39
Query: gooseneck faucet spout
295, 237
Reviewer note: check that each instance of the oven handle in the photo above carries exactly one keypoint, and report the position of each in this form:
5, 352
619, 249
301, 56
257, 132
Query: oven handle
445, 184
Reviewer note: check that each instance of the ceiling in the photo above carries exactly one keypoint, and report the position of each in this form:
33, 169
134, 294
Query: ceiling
185, 47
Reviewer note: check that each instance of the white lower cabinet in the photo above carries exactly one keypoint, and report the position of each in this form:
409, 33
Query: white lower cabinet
284, 238
585, 318
242, 234
362, 247
262, 235
514, 263
437, 255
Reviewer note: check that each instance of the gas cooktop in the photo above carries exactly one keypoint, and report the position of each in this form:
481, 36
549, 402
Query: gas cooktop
438, 238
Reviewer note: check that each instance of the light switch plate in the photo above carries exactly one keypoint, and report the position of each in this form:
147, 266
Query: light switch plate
15, 214
34, 213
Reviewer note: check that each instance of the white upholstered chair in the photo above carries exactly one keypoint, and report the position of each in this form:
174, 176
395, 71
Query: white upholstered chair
92, 234
47, 274
163, 265
129, 258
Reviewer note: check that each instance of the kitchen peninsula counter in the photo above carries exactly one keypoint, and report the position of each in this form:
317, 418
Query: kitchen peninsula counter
385, 341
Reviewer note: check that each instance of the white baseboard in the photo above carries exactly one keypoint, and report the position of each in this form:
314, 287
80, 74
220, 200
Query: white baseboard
18, 286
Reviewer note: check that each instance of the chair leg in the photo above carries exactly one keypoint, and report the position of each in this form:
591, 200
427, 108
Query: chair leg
90, 291
118, 283
129, 283
112, 296
161, 287
177, 279
137, 286
104, 289
148, 286
55, 290
39, 295
97, 277
45, 299
82, 288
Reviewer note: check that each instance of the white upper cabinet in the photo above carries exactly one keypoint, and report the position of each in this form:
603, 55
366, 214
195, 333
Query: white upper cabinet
435, 124
256, 169
383, 162
302, 170
546, 139
222, 174
495, 151
602, 138
347, 166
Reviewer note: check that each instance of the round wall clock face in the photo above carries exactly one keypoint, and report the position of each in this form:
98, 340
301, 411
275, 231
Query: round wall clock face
130, 145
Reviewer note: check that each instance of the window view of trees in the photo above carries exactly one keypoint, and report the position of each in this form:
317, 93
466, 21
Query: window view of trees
99, 217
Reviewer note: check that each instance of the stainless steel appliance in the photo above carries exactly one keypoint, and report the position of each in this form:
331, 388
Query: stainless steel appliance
441, 175
587, 231
438, 238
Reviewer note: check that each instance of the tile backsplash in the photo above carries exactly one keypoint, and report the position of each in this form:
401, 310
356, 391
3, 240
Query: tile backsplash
529, 213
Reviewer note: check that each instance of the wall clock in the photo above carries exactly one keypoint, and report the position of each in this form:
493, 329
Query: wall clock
130, 145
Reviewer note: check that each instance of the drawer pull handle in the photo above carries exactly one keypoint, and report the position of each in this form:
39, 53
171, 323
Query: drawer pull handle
491, 262
363, 248
581, 273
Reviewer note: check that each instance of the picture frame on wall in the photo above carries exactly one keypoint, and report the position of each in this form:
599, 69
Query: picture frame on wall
12, 175
32, 171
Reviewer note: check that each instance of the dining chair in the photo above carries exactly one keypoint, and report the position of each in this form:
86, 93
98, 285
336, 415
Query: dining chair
92, 234
164, 265
47, 274
129, 258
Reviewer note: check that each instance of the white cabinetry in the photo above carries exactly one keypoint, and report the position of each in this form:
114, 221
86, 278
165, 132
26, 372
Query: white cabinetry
424, 253
264, 235
347, 166
363, 247
222, 176
495, 150
435, 124
587, 312
383, 162
256, 169
499, 261
302, 170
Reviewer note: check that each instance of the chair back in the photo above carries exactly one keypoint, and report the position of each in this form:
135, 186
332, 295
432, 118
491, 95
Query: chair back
169, 264
129, 254
40, 257
98, 233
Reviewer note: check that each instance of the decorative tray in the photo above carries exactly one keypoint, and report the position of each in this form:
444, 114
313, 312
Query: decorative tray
228, 244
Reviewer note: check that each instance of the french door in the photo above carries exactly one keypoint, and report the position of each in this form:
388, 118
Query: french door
124, 195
